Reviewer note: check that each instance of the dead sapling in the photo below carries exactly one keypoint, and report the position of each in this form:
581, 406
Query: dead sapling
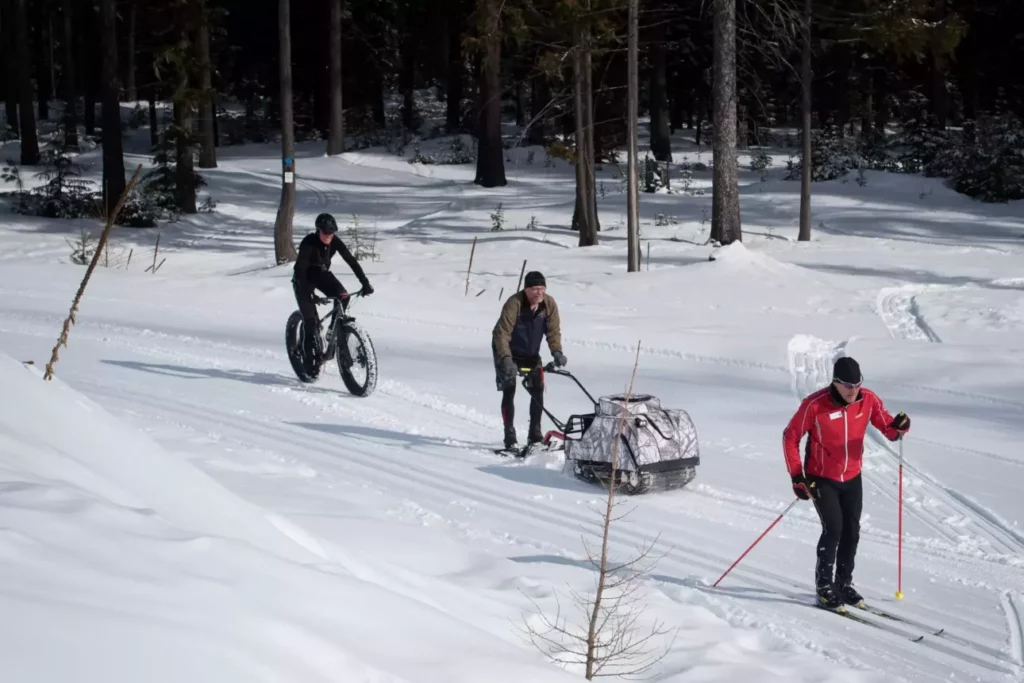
606, 634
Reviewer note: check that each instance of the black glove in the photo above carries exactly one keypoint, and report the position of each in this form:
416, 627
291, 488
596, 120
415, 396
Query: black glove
901, 423
367, 289
508, 373
560, 361
803, 489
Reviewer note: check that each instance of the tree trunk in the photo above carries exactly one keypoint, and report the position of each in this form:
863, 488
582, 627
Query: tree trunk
207, 97
154, 124
10, 63
131, 91
70, 87
336, 135
490, 159
43, 84
585, 214
407, 81
520, 101
86, 58
540, 97
589, 127
284, 245
661, 137
805, 115
456, 68
867, 113
742, 128
379, 116
940, 66
113, 156
26, 113
184, 180
881, 101
632, 94
725, 202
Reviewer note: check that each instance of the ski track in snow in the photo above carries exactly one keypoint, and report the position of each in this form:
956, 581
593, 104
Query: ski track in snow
964, 524
897, 306
431, 496
1015, 623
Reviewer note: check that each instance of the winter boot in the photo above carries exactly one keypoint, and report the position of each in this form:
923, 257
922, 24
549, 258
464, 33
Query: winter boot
510, 437
535, 434
827, 598
848, 595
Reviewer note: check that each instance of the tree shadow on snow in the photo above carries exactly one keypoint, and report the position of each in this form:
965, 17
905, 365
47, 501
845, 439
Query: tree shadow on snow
389, 437
525, 473
183, 372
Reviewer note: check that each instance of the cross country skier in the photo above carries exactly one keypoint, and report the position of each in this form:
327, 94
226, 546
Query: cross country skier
313, 271
836, 419
526, 318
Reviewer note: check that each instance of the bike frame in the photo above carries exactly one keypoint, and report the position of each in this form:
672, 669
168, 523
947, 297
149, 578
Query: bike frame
336, 319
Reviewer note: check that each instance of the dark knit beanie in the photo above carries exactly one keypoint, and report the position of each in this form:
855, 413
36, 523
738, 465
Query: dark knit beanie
534, 279
847, 370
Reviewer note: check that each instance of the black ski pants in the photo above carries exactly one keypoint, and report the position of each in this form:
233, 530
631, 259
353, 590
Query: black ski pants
536, 391
304, 291
839, 506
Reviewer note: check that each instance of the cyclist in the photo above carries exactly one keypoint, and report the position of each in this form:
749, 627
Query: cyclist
313, 272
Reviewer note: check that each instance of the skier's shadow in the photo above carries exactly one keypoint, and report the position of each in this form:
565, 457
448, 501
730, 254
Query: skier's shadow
734, 592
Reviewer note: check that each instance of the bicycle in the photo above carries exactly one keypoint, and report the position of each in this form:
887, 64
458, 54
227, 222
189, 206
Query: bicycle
342, 326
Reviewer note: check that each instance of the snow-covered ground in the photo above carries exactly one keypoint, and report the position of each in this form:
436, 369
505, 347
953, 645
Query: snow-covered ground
176, 506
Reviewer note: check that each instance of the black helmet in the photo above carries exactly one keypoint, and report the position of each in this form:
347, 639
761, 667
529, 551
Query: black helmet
326, 224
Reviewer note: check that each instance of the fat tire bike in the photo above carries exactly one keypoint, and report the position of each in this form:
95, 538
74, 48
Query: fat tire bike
341, 338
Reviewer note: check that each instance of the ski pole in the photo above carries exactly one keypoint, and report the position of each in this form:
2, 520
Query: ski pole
763, 534
899, 544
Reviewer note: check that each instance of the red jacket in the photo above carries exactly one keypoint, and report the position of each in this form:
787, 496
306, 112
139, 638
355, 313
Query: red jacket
835, 447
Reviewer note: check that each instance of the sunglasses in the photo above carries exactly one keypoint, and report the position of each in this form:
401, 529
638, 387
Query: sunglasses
848, 385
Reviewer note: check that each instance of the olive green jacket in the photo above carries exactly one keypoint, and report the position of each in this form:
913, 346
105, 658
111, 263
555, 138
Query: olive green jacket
518, 335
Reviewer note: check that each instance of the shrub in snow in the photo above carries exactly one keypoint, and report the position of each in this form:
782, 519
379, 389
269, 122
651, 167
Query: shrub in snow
652, 176
363, 246
833, 156
457, 153
159, 188
761, 161
64, 194
919, 143
989, 165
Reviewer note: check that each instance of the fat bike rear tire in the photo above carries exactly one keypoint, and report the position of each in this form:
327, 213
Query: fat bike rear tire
357, 360
293, 343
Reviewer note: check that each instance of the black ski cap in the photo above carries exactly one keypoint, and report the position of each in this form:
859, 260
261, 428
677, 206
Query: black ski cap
535, 279
847, 370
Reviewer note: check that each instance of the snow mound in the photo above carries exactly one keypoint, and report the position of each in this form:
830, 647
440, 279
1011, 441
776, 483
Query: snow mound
737, 255
124, 563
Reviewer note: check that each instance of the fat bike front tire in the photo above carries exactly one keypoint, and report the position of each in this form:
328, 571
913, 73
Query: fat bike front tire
357, 360
293, 343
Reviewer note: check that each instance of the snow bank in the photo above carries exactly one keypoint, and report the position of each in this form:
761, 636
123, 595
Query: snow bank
122, 563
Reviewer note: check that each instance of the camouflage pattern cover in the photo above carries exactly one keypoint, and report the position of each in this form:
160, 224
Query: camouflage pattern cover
651, 434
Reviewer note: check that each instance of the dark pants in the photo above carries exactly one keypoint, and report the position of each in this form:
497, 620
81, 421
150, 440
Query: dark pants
304, 291
839, 506
536, 390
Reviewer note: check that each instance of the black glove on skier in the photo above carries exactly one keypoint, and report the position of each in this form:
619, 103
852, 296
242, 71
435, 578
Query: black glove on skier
803, 489
901, 423
508, 373
560, 361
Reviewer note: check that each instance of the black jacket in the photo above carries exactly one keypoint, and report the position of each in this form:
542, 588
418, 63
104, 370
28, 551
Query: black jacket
315, 258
